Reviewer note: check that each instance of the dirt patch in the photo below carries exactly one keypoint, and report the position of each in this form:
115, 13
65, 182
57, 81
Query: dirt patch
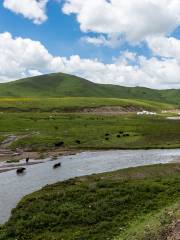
14, 156
175, 231
111, 110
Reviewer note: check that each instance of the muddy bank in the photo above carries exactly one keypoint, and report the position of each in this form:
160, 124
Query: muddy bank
13, 160
176, 160
5, 170
14, 156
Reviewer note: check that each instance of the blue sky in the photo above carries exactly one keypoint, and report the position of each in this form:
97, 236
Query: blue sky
105, 37
61, 34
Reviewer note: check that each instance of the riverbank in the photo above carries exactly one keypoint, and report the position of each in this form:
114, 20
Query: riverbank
102, 206
22, 154
86, 163
8, 163
12, 162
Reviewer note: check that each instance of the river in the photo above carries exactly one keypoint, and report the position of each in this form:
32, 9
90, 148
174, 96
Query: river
13, 187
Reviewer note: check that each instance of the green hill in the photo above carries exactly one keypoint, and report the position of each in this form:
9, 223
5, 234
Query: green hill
62, 85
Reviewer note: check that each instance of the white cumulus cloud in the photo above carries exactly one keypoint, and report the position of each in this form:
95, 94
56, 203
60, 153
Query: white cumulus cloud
21, 57
133, 19
110, 41
34, 10
168, 47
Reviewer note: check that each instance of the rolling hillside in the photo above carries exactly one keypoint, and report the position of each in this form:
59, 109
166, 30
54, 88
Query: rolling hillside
62, 85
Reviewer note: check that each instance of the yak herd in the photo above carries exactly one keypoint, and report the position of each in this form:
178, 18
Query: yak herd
119, 135
61, 144
107, 137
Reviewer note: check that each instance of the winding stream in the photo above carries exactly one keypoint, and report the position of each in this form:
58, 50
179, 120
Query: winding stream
14, 187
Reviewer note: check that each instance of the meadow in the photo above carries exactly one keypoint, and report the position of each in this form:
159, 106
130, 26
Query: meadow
41, 131
40, 124
137, 203
76, 104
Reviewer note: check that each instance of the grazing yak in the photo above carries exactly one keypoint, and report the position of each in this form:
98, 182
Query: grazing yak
126, 135
59, 144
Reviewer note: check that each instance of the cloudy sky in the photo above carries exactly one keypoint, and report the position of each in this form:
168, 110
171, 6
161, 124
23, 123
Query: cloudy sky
123, 42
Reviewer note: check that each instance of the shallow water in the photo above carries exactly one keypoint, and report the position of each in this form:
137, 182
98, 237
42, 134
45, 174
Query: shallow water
14, 187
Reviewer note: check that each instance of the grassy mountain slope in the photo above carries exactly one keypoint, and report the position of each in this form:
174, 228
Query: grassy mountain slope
80, 104
62, 85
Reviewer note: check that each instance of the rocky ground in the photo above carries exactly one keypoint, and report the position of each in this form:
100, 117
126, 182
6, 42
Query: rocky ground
175, 231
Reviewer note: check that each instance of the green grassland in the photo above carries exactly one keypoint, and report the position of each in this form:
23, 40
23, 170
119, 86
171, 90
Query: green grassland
64, 85
122, 205
77, 104
45, 110
41, 131
45, 113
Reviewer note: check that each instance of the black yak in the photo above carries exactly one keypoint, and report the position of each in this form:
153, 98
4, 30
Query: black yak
57, 165
59, 144
20, 170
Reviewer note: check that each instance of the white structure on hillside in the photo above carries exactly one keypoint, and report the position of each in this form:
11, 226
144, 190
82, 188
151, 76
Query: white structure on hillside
146, 113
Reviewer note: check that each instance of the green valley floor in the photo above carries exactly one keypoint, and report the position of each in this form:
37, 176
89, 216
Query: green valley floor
132, 204
44, 131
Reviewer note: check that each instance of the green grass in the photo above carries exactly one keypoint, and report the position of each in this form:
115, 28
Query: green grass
41, 131
103, 206
76, 104
2, 138
152, 226
63, 85
42, 123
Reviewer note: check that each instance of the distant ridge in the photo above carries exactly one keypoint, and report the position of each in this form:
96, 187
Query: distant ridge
63, 85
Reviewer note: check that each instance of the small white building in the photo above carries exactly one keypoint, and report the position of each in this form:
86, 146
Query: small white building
146, 113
